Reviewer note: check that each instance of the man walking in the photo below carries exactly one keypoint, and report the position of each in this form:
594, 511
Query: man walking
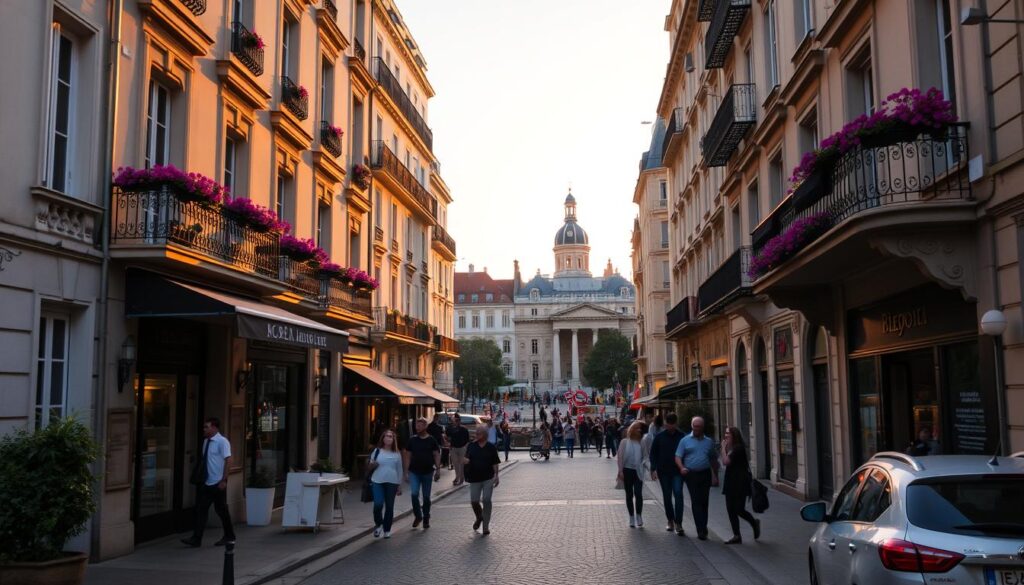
211, 480
422, 462
458, 438
697, 461
664, 470
482, 464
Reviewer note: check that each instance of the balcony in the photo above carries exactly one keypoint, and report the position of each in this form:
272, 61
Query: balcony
331, 9
446, 346
706, 10
680, 315
391, 326
294, 98
735, 116
726, 284
402, 179
393, 88
673, 134
335, 294
196, 7
247, 47
443, 243
329, 140
725, 23
358, 50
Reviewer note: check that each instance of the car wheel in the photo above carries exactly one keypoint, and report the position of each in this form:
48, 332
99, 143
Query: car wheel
812, 571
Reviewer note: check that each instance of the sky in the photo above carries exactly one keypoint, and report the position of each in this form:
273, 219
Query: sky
534, 96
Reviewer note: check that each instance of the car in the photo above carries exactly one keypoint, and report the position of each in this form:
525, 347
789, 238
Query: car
470, 421
956, 519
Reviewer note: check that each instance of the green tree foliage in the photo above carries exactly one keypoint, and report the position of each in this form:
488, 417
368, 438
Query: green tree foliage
479, 366
611, 355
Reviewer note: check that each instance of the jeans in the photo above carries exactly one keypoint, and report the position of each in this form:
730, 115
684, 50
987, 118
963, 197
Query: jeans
583, 443
481, 490
206, 495
611, 445
672, 488
557, 444
384, 504
597, 444
736, 507
569, 444
507, 445
457, 455
698, 483
634, 491
421, 482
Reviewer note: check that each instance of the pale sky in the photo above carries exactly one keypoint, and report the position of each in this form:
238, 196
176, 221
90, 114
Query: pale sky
532, 96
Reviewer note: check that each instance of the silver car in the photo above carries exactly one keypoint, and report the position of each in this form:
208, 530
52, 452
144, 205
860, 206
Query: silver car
942, 519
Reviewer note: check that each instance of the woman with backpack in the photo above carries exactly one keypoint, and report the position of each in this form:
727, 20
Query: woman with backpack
385, 467
736, 485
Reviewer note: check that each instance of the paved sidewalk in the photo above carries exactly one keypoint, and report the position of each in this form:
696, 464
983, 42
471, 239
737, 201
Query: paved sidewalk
262, 553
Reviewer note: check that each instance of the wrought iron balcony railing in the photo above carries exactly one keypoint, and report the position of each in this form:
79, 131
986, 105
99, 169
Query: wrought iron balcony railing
334, 293
729, 282
329, 139
725, 23
736, 114
884, 171
294, 98
248, 47
359, 50
383, 158
394, 90
675, 128
441, 236
162, 217
446, 344
706, 10
196, 7
299, 276
388, 321
679, 315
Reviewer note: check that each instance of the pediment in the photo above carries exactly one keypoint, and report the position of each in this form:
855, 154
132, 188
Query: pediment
585, 311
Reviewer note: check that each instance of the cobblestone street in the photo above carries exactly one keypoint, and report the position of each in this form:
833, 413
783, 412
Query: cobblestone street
554, 522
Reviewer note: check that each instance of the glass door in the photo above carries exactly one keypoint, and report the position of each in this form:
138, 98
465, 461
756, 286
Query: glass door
867, 405
275, 421
784, 388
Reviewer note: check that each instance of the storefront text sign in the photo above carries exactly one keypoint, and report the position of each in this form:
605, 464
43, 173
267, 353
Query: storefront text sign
917, 315
897, 323
280, 332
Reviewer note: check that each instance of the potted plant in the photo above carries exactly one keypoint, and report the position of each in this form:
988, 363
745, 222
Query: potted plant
46, 486
259, 496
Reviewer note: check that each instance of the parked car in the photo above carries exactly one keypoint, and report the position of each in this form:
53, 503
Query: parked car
468, 420
937, 519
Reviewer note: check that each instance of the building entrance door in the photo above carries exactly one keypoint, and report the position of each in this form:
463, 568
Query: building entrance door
912, 397
276, 422
823, 423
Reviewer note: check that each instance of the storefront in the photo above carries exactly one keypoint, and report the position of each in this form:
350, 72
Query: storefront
914, 363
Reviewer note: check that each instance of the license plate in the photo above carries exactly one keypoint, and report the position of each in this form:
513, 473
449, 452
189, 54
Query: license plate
1004, 576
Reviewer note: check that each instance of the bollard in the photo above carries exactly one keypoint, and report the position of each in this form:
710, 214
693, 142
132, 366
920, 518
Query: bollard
228, 577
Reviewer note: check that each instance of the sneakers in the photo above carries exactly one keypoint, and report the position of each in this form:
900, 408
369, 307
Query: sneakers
669, 527
679, 530
632, 521
224, 541
757, 529
416, 522
639, 521
387, 534
376, 531
477, 523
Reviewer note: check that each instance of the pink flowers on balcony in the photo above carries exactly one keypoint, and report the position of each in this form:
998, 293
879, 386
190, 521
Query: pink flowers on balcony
256, 216
785, 245
254, 40
303, 92
335, 130
356, 278
188, 186
361, 175
302, 250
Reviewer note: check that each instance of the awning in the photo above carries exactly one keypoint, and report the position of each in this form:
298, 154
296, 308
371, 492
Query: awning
382, 385
445, 400
154, 296
680, 391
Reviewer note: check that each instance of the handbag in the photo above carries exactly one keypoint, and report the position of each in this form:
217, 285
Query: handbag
758, 496
367, 493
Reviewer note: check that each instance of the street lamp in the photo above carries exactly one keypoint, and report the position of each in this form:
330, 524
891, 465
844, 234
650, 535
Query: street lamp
976, 16
993, 324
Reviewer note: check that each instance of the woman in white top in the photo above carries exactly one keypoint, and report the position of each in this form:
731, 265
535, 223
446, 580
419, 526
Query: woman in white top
631, 457
386, 468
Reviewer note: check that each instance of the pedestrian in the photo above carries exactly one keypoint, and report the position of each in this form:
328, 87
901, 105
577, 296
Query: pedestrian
653, 428
458, 438
597, 436
506, 437
570, 437
557, 433
422, 463
492, 432
664, 470
611, 438
736, 484
434, 429
211, 481
386, 482
631, 457
697, 461
482, 464
583, 431
925, 444
543, 415
545, 447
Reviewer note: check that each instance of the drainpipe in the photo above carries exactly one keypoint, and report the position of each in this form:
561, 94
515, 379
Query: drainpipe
100, 392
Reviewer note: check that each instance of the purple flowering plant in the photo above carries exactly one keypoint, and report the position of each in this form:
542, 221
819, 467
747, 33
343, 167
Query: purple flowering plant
336, 130
190, 186
783, 246
361, 175
256, 216
302, 249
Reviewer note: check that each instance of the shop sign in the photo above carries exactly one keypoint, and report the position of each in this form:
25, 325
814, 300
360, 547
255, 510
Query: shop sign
281, 332
919, 314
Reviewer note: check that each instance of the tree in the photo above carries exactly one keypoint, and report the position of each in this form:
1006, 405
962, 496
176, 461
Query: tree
479, 366
611, 355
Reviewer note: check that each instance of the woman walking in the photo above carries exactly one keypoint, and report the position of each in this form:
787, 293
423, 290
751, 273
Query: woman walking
611, 438
736, 485
505, 432
597, 436
545, 447
386, 479
570, 437
631, 456
557, 432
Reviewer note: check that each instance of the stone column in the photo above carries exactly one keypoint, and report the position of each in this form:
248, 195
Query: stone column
595, 330
575, 357
557, 355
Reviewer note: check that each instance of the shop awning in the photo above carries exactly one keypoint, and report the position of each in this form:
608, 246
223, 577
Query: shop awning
383, 385
680, 391
445, 400
154, 296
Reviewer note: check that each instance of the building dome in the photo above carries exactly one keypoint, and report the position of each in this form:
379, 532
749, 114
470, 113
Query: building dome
571, 234
570, 199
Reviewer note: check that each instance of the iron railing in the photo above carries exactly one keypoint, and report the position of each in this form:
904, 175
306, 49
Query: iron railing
921, 170
394, 89
446, 344
330, 141
725, 23
382, 158
331, 9
674, 130
196, 7
678, 315
334, 293
294, 98
300, 277
729, 282
387, 321
162, 217
706, 10
248, 47
441, 236
358, 50
736, 114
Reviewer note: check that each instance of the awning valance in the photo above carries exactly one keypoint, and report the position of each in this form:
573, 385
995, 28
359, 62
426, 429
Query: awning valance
382, 385
428, 390
149, 295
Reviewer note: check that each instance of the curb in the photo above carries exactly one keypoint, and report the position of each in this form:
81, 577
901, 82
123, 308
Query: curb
290, 564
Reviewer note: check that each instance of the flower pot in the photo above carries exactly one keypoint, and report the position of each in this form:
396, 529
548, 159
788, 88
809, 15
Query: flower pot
259, 506
890, 136
69, 570
813, 188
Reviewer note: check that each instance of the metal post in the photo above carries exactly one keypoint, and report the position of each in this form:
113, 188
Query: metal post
1004, 435
228, 577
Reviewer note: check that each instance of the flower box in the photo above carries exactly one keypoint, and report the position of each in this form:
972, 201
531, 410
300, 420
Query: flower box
815, 186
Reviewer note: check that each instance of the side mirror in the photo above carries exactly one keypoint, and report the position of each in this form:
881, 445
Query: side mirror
816, 512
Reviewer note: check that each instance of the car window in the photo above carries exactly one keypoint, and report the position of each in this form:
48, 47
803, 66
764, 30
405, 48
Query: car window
874, 497
844, 502
979, 505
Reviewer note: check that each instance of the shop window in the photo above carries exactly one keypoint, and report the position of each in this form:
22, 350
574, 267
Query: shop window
51, 368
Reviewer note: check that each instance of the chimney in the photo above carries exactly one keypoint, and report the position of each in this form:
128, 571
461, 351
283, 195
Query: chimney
470, 268
485, 270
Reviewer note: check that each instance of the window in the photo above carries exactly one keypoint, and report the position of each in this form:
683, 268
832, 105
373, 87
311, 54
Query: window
860, 85
536, 371
379, 210
326, 87
670, 357
462, 297
664, 234
475, 320
809, 131
475, 298
664, 274
535, 293
776, 180
286, 55
843, 506
238, 10
323, 218
533, 346
158, 121
953, 504
507, 368
804, 14
462, 321
282, 199
490, 321
62, 104
489, 297
51, 369
506, 320
506, 346
663, 194
771, 44
737, 228
748, 60
753, 207
874, 497
533, 312
394, 222
354, 245
394, 291
229, 164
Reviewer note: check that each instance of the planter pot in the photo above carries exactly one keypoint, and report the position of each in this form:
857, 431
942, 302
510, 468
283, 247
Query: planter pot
69, 570
259, 506
813, 188
890, 136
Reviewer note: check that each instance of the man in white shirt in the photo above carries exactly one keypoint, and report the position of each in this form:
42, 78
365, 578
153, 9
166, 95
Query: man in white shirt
211, 481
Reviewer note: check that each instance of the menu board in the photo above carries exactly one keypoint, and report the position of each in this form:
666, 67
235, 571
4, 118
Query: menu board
969, 427
971, 406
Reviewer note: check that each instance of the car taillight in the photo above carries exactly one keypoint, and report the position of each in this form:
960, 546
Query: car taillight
901, 555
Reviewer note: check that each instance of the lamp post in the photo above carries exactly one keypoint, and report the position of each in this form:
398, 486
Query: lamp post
993, 324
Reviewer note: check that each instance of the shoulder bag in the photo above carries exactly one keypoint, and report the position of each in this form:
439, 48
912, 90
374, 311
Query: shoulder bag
367, 493
758, 493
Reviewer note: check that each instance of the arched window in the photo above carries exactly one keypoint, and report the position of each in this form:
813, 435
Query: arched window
534, 294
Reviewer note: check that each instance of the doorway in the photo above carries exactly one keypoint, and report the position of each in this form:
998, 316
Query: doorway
823, 423
913, 396
276, 423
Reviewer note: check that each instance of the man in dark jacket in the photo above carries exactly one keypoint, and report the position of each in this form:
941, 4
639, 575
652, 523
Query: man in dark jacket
663, 469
